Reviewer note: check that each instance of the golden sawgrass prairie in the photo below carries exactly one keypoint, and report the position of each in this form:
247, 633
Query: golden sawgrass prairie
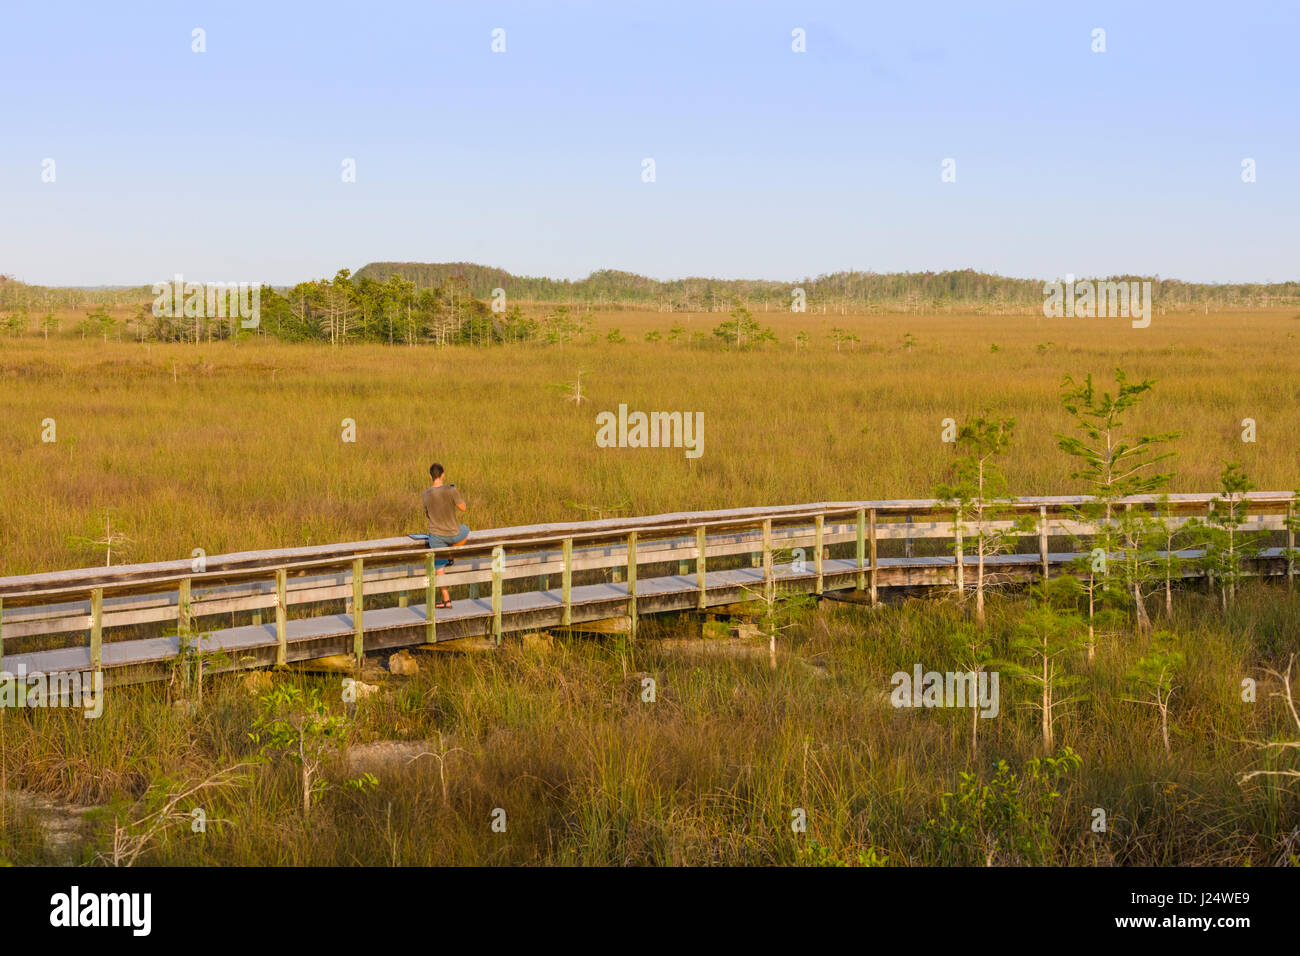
240, 447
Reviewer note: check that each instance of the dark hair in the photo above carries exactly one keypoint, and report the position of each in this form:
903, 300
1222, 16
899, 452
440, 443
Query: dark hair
435, 471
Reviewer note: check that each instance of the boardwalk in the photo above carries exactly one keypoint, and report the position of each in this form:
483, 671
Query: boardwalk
263, 608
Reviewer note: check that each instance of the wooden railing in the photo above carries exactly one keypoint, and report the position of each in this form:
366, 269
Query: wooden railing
89, 600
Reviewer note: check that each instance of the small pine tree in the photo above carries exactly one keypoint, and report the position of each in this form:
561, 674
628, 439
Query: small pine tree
1228, 548
977, 486
1041, 648
1153, 676
741, 331
1115, 464
842, 337
972, 650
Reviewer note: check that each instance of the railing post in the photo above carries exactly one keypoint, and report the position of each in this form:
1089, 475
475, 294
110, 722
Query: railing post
1209, 569
875, 566
2, 633
430, 599
566, 583
1291, 541
631, 579
959, 555
821, 532
701, 566
96, 628
281, 617
769, 575
862, 548
358, 610
498, 586
1042, 543
184, 622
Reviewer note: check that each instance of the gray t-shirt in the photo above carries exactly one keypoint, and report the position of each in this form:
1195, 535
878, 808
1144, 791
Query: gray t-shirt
440, 503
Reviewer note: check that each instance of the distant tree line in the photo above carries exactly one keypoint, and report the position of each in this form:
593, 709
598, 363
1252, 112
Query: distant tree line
462, 303
965, 290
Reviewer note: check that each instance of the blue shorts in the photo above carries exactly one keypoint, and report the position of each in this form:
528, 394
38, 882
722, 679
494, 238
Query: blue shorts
442, 541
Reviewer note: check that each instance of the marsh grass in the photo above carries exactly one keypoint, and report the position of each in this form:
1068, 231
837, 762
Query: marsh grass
711, 772
243, 450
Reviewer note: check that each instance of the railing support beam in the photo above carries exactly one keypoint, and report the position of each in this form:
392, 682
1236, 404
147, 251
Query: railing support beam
281, 617
566, 583
817, 557
959, 554
1290, 543
631, 580
430, 599
701, 566
358, 611
1042, 543
875, 563
862, 548
96, 629
498, 589
769, 573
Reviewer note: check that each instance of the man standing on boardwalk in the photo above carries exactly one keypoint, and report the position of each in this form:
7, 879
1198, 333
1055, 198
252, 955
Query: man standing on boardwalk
441, 504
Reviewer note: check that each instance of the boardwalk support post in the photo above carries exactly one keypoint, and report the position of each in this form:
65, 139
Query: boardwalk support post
566, 583
281, 617
1042, 543
862, 548
959, 555
817, 559
2, 633
1290, 543
701, 567
498, 586
875, 564
358, 610
631, 580
769, 576
184, 623
430, 599
96, 629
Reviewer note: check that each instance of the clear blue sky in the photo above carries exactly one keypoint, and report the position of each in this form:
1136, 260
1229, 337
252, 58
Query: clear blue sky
226, 165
